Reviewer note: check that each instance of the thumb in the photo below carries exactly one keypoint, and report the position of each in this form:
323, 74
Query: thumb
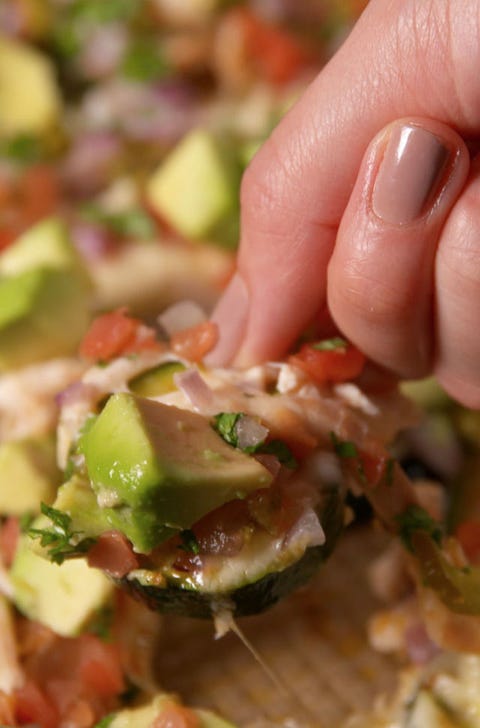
404, 57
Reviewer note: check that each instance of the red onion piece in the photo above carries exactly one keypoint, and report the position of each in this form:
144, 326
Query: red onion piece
307, 528
103, 50
270, 462
75, 394
92, 241
419, 646
250, 432
89, 162
196, 390
180, 316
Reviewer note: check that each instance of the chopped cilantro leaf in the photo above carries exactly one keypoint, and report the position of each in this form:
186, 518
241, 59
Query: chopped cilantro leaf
416, 518
143, 61
224, 423
134, 223
344, 448
59, 540
389, 471
189, 542
330, 344
102, 11
23, 148
106, 721
281, 450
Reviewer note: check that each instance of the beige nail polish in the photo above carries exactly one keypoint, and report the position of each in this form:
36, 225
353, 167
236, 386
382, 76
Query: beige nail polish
231, 316
410, 176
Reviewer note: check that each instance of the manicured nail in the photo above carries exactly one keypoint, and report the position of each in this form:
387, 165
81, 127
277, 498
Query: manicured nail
411, 175
231, 316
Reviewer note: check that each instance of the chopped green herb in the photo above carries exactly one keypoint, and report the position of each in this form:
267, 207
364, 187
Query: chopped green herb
330, 344
102, 11
101, 623
189, 542
23, 148
389, 471
59, 540
134, 223
281, 450
416, 518
143, 61
225, 424
344, 448
26, 521
106, 721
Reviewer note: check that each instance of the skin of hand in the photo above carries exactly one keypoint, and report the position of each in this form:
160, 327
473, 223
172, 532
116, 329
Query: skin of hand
365, 199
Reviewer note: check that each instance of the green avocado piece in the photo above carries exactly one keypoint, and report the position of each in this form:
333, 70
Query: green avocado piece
29, 94
196, 189
426, 712
44, 296
157, 381
65, 598
158, 469
145, 715
43, 314
46, 244
28, 475
255, 583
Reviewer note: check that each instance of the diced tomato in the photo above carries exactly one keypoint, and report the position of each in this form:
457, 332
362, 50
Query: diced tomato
195, 342
7, 709
468, 534
276, 54
113, 554
7, 236
9, 535
33, 706
175, 716
116, 333
40, 192
374, 468
100, 672
329, 366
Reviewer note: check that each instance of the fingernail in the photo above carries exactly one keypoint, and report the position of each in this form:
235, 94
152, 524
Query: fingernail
411, 175
231, 316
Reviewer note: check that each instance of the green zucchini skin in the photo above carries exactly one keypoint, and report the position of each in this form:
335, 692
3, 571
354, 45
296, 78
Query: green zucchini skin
252, 598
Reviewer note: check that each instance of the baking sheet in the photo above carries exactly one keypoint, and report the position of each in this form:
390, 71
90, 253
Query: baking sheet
315, 642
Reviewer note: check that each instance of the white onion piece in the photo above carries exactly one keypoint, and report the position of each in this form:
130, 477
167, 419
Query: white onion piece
196, 390
307, 530
250, 432
180, 316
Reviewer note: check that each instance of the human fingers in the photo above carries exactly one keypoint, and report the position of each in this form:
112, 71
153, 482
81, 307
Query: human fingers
457, 278
403, 58
380, 277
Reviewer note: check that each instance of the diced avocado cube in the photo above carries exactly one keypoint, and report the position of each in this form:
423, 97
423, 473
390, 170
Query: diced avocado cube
157, 468
29, 95
47, 244
28, 475
43, 313
157, 381
196, 189
77, 499
64, 598
145, 715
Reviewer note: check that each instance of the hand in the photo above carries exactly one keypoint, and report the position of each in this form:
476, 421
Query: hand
384, 232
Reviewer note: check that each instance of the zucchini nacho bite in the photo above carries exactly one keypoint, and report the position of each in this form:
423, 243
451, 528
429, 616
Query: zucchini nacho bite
201, 490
